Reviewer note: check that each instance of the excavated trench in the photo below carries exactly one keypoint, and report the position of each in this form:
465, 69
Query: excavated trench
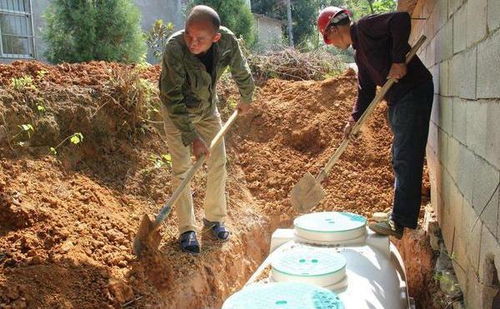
67, 219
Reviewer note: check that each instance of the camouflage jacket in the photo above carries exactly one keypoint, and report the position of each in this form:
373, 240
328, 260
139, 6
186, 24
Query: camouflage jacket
186, 88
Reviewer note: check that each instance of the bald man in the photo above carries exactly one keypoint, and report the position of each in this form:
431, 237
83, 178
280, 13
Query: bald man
193, 61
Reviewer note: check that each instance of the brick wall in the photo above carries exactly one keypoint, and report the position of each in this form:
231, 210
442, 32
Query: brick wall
463, 54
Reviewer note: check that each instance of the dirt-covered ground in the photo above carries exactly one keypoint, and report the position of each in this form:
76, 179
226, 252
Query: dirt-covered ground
69, 208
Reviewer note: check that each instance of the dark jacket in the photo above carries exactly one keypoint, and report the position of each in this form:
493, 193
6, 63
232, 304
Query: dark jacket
379, 41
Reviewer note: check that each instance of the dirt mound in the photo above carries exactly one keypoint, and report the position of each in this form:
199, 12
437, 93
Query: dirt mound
295, 127
67, 219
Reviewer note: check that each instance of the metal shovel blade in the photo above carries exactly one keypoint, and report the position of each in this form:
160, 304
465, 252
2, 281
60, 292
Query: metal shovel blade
147, 236
307, 193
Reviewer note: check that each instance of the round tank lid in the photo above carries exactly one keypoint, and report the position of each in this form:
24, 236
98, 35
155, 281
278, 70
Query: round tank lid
309, 263
284, 295
330, 222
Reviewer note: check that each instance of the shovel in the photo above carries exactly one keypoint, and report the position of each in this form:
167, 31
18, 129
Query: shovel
148, 235
308, 192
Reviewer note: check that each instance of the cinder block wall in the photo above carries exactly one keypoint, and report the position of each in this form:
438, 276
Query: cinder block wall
463, 153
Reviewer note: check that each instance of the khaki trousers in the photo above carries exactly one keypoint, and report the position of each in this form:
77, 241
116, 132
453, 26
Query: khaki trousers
215, 207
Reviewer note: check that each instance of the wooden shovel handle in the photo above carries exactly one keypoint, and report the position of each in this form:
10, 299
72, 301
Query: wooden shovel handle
167, 207
380, 95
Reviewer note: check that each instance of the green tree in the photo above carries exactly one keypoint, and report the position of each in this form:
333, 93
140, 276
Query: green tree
85, 30
235, 15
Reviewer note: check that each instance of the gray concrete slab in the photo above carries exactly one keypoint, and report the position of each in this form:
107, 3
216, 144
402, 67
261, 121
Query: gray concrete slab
476, 21
460, 30
488, 73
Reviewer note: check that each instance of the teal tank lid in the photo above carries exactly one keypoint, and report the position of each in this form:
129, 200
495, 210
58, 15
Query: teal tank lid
330, 222
284, 295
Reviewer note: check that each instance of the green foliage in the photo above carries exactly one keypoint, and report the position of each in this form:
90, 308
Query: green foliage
160, 161
235, 15
27, 128
361, 8
382, 6
75, 139
157, 37
85, 30
305, 13
21, 83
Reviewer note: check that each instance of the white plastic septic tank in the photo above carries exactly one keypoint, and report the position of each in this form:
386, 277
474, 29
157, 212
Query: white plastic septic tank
335, 250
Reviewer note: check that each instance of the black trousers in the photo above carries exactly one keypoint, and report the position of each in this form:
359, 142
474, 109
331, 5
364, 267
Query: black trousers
409, 119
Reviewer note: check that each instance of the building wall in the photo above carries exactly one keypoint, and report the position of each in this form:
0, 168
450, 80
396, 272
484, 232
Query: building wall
269, 33
151, 10
167, 10
463, 153
39, 7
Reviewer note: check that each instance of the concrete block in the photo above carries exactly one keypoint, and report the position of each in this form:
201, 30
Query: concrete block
484, 196
436, 171
466, 163
447, 221
459, 124
459, 252
443, 80
493, 133
443, 147
498, 219
488, 74
435, 78
463, 74
476, 126
444, 42
435, 109
428, 7
493, 15
430, 54
472, 293
489, 257
453, 6
442, 12
432, 139
433, 24
446, 115
452, 161
476, 21
459, 30
489, 268
472, 229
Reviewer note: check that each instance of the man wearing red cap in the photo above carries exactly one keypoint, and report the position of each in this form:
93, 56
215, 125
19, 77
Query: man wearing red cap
381, 42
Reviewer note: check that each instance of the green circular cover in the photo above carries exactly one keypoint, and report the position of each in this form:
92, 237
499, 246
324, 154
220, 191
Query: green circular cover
309, 263
330, 222
284, 295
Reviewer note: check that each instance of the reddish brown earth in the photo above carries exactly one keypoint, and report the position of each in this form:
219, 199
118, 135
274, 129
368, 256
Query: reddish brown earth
67, 220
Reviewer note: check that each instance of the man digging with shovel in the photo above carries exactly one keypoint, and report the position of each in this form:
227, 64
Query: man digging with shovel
193, 61
381, 43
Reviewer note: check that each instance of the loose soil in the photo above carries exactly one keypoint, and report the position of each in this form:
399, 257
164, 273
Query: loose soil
67, 219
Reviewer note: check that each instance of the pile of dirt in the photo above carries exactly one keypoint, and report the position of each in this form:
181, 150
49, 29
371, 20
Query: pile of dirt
67, 219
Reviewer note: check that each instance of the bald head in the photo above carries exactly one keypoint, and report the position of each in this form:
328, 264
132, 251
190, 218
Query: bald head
202, 14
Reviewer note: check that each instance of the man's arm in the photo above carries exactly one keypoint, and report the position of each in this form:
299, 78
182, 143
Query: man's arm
241, 73
366, 93
172, 79
399, 29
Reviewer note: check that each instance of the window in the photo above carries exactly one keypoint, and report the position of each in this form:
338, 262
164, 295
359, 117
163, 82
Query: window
16, 29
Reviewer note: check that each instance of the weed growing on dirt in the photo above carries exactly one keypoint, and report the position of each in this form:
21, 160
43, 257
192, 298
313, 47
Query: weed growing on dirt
41, 74
22, 83
75, 139
157, 162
